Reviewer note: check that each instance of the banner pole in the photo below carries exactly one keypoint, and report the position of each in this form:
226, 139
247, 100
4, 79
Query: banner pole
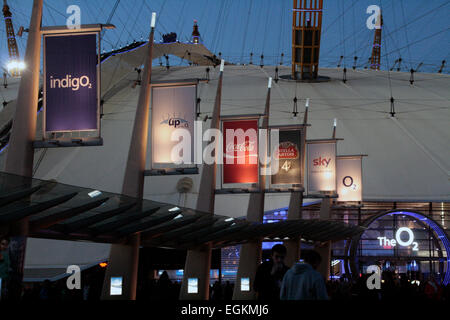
198, 260
295, 210
124, 259
19, 159
251, 252
20, 152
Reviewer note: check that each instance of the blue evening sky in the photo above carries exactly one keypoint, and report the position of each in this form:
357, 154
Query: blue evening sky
416, 30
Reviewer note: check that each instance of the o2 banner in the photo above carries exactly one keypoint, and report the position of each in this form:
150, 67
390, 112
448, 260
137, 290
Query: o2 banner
173, 107
70, 95
240, 151
349, 178
289, 158
321, 164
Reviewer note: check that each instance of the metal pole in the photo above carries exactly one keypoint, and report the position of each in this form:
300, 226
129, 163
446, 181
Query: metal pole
19, 159
295, 210
124, 259
250, 253
20, 154
198, 260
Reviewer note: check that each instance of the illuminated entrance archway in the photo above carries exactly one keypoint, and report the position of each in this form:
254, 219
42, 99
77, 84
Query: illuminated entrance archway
390, 239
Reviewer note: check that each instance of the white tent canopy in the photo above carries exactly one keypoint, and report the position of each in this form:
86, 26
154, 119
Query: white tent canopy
408, 155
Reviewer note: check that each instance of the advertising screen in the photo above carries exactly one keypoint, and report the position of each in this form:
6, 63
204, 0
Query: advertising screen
70, 91
240, 151
116, 286
245, 284
173, 107
192, 285
349, 178
321, 164
289, 158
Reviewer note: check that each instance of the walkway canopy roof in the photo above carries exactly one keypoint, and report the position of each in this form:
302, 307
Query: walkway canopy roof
60, 211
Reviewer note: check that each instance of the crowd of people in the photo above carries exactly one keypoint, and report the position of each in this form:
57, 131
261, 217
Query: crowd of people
302, 282
273, 281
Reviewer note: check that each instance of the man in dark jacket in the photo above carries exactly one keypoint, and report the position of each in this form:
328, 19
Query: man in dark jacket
270, 275
303, 282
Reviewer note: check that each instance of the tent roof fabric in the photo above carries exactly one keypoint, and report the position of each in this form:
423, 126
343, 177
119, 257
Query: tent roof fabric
68, 213
408, 155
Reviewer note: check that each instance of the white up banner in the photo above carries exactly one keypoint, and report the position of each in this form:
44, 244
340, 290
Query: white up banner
321, 164
349, 178
173, 107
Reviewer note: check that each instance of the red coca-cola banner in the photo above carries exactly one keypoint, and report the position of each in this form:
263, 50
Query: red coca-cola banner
240, 151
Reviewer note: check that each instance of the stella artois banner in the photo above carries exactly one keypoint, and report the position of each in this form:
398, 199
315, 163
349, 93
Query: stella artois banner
321, 164
349, 178
173, 107
289, 158
240, 151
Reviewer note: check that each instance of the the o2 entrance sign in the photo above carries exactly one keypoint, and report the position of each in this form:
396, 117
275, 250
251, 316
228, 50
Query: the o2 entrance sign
71, 82
385, 242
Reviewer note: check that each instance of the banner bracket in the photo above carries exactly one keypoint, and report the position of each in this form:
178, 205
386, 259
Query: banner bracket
66, 143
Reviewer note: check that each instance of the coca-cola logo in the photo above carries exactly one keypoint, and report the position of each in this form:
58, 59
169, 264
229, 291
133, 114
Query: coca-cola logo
247, 146
287, 150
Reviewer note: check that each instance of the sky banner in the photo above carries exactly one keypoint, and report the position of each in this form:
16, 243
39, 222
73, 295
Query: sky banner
71, 97
173, 107
289, 156
321, 164
240, 151
349, 178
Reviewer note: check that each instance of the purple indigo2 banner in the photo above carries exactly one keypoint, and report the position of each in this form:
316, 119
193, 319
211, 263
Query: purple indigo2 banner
71, 83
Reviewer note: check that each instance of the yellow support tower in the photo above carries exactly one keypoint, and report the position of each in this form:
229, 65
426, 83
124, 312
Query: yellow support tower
14, 65
306, 31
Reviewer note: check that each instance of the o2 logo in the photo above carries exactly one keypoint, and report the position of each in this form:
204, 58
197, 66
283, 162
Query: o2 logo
374, 21
393, 242
74, 20
348, 182
69, 82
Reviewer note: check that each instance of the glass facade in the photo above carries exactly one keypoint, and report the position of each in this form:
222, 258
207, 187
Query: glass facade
378, 245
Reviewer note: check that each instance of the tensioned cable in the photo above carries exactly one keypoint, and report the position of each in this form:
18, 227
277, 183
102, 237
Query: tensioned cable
219, 18
406, 32
280, 34
223, 23
181, 18
387, 60
420, 40
265, 27
343, 31
337, 18
415, 19
394, 41
257, 27
245, 30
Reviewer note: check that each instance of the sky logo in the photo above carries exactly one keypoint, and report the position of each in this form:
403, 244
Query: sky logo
69, 82
321, 162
